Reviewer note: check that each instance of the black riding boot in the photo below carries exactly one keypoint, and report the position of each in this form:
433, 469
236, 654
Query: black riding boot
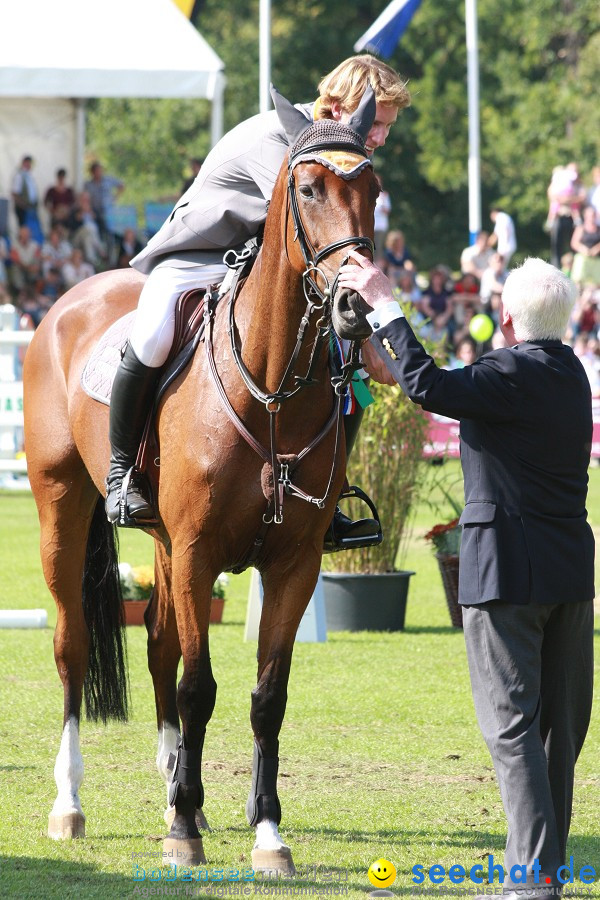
343, 532
132, 393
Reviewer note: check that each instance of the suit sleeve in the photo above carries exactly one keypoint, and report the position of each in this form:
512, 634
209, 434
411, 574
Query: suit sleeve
486, 390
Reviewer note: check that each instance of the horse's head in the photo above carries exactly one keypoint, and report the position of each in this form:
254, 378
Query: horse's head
331, 201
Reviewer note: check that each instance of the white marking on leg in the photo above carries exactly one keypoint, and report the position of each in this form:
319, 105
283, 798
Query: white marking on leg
168, 737
268, 837
68, 771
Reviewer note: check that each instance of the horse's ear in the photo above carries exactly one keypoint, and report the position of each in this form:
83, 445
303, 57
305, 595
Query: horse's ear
363, 116
294, 122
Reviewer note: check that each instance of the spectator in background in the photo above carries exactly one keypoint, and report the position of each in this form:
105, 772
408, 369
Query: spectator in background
60, 200
76, 269
103, 190
438, 306
594, 194
566, 195
465, 353
396, 252
406, 289
195, 165
492, 285
467, 285
585, 317
587, 348
85, 233
129, 246
26, 260
503, 237
464, 313
32, 303
476, 258
25, 197
55, 250
52, 285
586, 244
383, 208
4, 257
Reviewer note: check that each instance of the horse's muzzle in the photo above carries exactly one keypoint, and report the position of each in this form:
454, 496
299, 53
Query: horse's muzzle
349, 316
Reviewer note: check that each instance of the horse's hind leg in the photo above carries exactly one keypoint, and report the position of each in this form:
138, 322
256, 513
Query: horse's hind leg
65, 511
286, 596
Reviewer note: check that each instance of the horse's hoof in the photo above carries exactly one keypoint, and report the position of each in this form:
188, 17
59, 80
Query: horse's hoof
201, 823
68, 825
277, 862
182, 852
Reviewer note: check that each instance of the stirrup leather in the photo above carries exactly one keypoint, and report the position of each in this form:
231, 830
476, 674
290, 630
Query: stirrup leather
335, 542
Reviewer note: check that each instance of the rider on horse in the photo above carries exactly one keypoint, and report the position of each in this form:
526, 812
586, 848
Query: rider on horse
225, 206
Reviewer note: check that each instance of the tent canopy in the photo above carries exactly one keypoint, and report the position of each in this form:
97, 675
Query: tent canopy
57, 53
116, 48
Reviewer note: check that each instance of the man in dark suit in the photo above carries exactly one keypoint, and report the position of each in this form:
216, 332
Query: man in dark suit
527, 554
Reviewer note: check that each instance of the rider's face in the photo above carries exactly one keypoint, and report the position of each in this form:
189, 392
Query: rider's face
385, 116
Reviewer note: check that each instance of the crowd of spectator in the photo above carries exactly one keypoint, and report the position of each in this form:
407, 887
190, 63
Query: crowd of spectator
38, 265
447, 298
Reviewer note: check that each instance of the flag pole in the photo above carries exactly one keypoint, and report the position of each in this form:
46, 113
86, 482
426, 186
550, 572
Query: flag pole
264, 95
474, 175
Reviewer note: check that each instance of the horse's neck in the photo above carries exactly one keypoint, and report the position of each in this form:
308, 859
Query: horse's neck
271, 307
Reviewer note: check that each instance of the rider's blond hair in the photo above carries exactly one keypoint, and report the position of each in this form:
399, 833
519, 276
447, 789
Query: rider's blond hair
348, 81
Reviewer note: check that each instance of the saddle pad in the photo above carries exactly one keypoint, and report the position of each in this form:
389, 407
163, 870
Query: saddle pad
99, 372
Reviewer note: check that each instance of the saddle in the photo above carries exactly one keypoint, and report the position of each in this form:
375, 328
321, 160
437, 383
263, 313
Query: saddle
99, 372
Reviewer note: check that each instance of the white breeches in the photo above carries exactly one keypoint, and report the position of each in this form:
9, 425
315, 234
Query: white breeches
154, 324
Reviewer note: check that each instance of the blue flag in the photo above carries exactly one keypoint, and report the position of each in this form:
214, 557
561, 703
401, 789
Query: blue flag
387, 29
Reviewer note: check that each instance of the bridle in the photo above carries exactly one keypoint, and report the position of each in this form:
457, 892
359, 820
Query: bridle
318, 300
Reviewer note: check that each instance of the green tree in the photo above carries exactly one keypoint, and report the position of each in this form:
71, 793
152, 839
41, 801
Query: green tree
148, 143
539, 67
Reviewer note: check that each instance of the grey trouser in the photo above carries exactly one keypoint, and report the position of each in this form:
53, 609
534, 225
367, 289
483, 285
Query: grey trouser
532, 674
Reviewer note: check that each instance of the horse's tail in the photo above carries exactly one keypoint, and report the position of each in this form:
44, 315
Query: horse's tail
106, 684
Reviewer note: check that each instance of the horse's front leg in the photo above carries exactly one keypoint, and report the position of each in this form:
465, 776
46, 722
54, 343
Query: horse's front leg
287, 591
196, 694
164, 654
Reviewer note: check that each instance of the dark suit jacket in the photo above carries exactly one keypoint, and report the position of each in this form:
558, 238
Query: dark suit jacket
526, 430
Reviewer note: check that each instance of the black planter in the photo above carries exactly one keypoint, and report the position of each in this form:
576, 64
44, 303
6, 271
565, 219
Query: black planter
365, 602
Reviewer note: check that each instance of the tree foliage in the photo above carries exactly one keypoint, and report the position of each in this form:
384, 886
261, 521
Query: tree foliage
539, 67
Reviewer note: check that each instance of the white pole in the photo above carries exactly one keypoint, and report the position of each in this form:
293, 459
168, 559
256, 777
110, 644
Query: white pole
216, 117
473, 101
264, 95
80, 124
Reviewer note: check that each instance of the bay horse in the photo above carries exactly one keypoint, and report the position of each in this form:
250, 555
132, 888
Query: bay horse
221, 455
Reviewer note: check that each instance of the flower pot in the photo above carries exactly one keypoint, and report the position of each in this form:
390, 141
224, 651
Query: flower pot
216, 609
134, 611
365, 602
448, 566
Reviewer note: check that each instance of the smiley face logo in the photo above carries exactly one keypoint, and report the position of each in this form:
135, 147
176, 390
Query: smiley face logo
382, 873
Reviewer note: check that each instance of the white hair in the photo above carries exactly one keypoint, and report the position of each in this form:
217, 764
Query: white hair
539, 300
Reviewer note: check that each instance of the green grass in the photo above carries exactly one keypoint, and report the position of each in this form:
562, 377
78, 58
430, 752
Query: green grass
380, 752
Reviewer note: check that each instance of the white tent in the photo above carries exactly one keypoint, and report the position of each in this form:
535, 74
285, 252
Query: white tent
57, 53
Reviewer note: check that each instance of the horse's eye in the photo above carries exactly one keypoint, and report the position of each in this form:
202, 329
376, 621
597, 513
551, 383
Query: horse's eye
306, 191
